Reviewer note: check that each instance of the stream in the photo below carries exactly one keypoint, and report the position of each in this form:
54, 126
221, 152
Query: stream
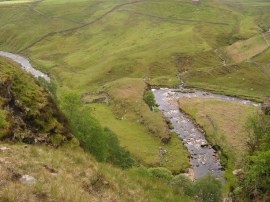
203, 158
25, 65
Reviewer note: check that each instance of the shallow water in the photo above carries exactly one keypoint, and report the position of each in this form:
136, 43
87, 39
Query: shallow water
203, 158
25, 65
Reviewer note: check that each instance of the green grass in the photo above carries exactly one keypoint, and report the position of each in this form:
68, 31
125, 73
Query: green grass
92, 45
236, 81
142, 145
243, 50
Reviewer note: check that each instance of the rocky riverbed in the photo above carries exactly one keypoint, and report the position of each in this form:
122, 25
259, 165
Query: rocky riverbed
203, 158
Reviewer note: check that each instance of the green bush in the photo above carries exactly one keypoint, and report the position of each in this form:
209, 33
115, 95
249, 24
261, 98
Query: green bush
257, 178
87, 129
256, 181
205, 189
143, 171
149, 98
102, 143
208, 189
162, 173
117, 155
183, 183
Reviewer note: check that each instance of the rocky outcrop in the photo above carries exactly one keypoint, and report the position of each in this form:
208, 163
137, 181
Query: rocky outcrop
32, 116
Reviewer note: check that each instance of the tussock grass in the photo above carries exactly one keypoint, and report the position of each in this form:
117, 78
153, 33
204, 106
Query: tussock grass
75, 177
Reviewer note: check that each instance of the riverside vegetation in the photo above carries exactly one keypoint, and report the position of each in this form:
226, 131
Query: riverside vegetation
121, 48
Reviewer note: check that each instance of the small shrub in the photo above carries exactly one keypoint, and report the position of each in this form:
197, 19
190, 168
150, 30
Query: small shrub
208, 189
183, 183
2, 120
57, 139
149, 98
143, 171
162, 173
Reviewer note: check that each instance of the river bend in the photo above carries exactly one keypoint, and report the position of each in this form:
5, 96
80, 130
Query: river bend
203, 158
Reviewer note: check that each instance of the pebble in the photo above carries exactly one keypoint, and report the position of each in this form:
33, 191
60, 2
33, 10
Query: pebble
27, 179
3, 149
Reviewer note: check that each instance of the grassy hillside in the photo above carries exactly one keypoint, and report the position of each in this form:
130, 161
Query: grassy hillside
62, 175
116, 45
116, 39
56, 168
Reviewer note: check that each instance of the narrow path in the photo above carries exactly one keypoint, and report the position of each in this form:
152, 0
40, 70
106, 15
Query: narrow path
204, 159
81, 26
